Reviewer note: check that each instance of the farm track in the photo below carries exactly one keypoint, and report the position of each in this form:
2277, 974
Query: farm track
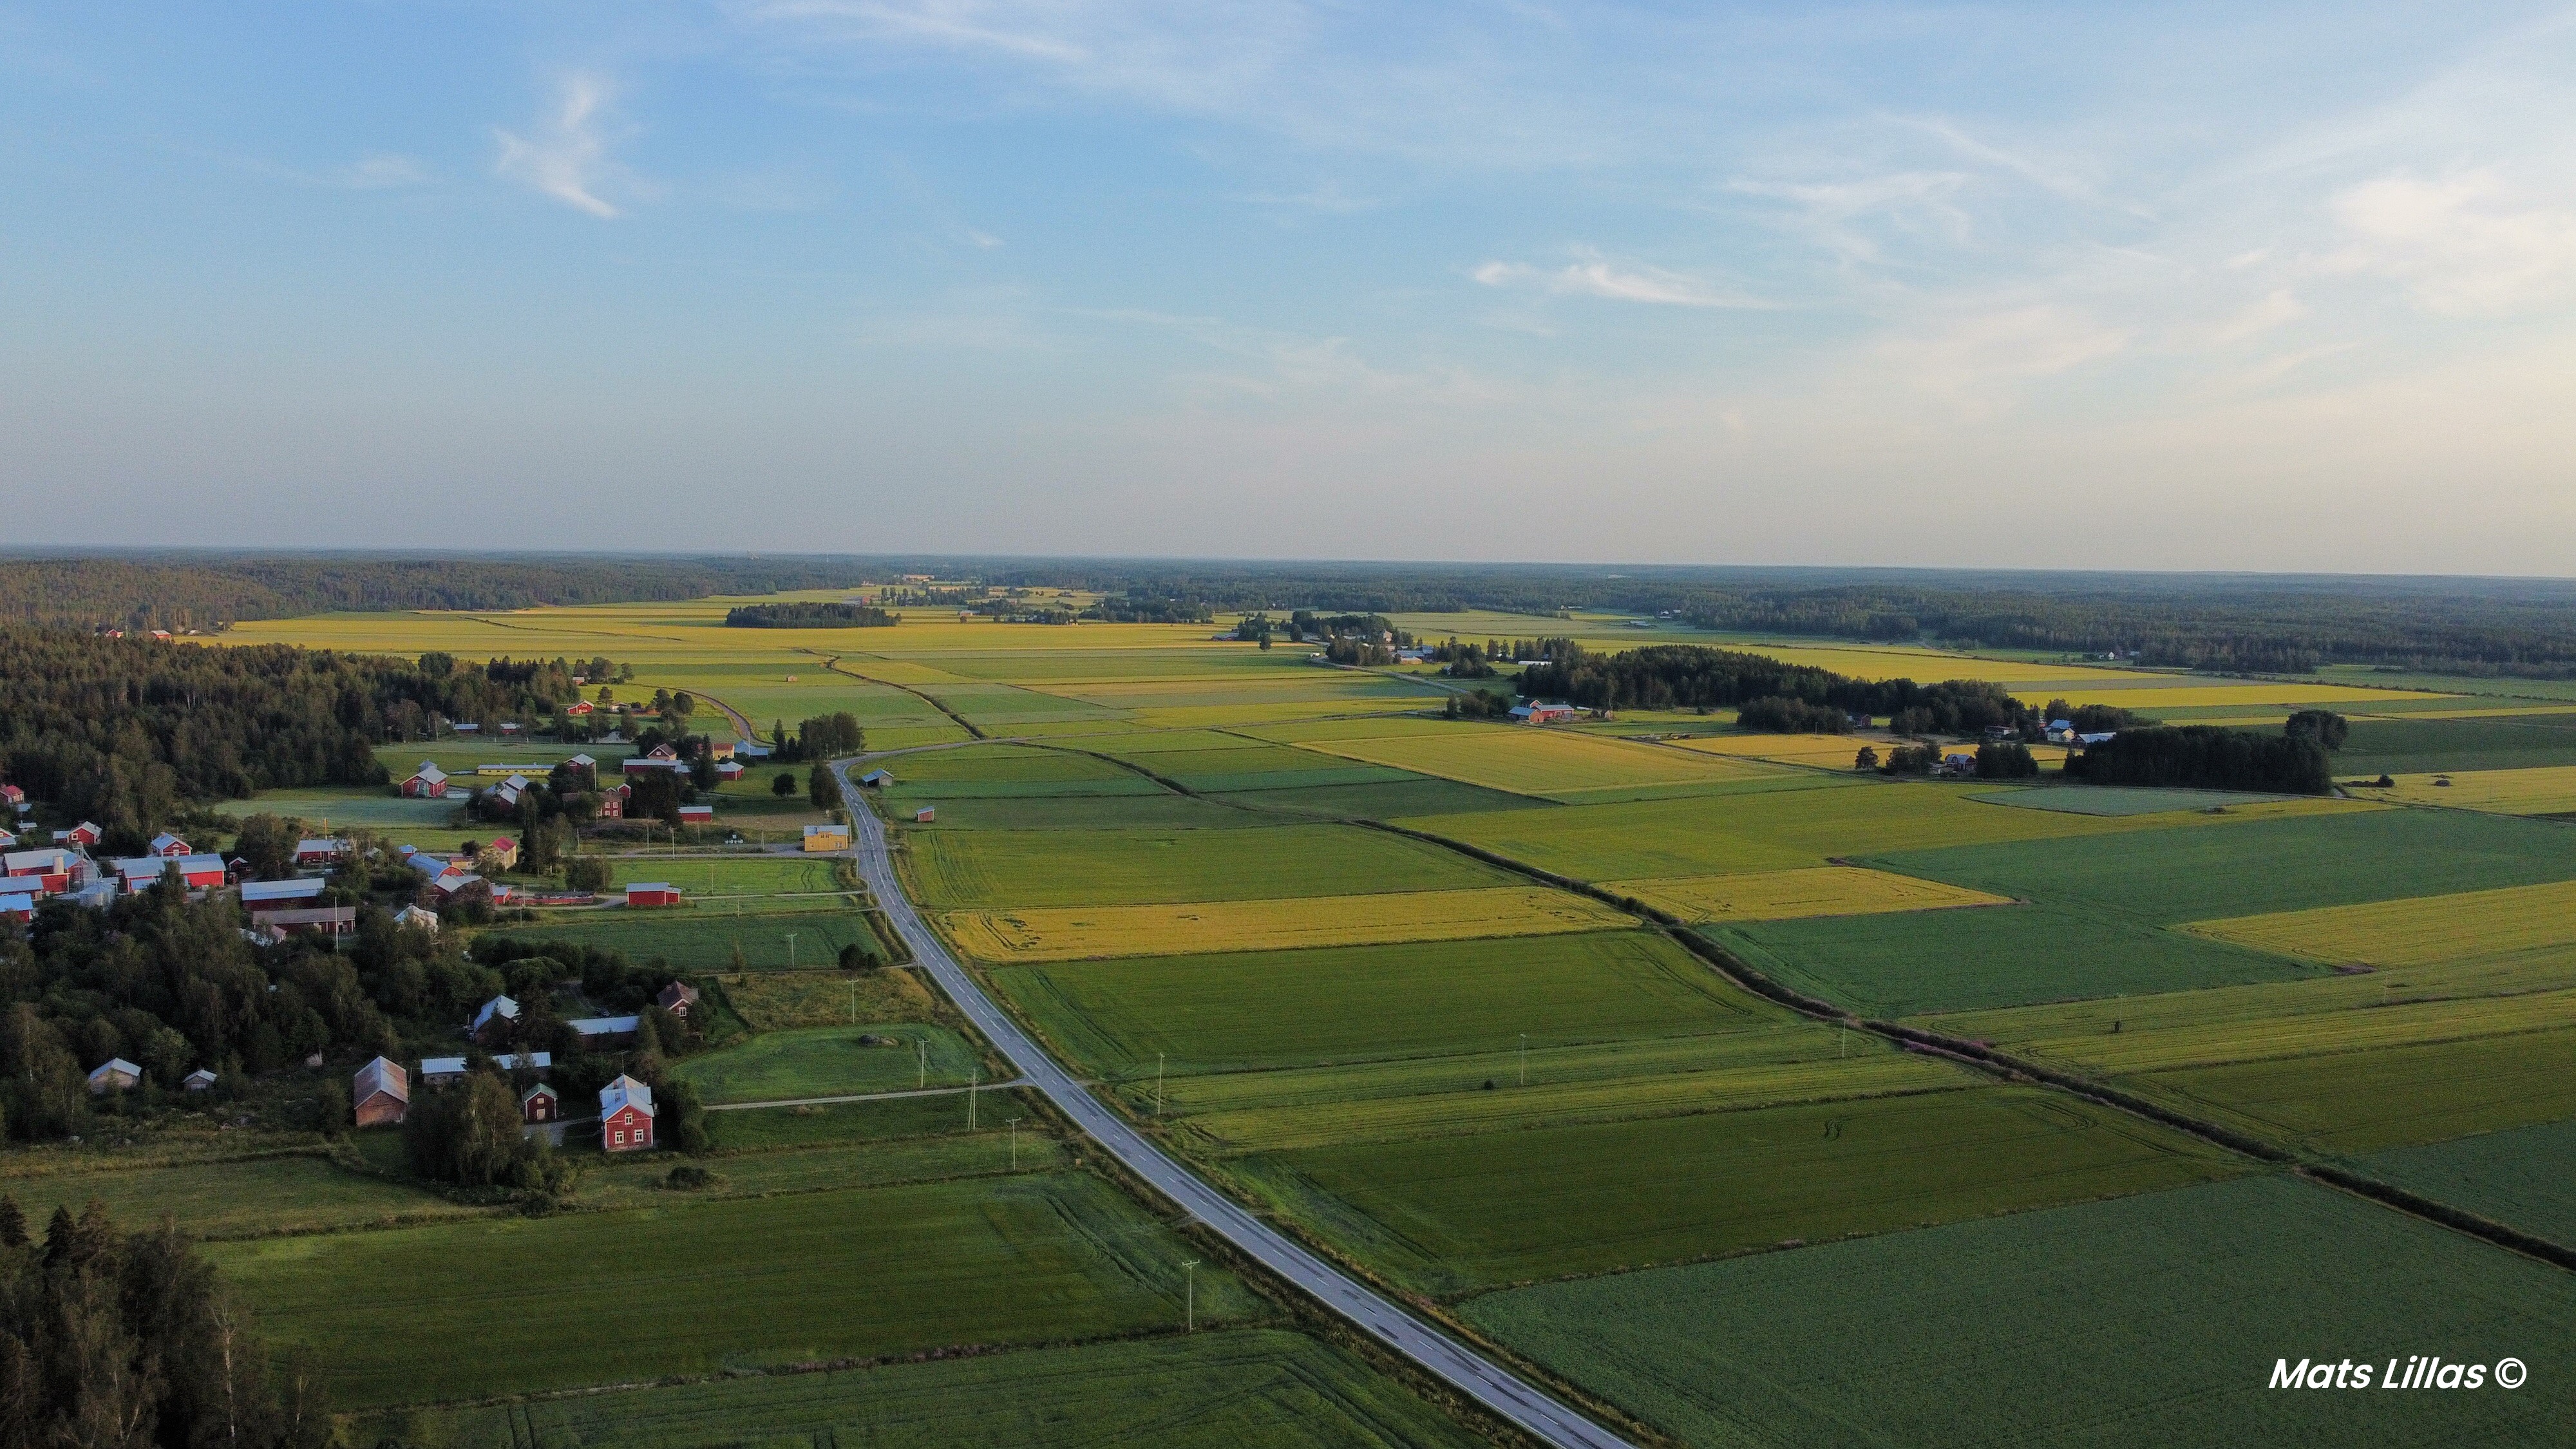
833, 663
1491, 1386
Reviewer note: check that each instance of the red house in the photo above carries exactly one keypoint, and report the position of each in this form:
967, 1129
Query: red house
625, 1116
729, 770
538, 1104
428, 783
652, 893
677, 998
12, 795
697, 815
612, 805
83, 834
381, 1093
578, 707
165, 845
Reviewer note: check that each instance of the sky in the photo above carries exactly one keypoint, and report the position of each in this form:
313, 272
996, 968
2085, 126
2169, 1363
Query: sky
2282, 287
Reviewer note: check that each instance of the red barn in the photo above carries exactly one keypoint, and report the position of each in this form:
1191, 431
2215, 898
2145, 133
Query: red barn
697, 815
652, 893
428, 783
381, 1093
83, 834
625, 1116
165, 844
578, 708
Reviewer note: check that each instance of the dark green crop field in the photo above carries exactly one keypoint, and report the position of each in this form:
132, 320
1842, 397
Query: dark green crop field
2526, 1177
504, 1305
2153, 1322
2404, 747
1280, 1008
702, 936
969, 869
2364, 1101
1451, 1214
1244, 1389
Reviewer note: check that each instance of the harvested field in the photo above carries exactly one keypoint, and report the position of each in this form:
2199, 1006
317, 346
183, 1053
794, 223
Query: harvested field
2211, 1284
1075, 933
2542, 790
994, 868
1828, 890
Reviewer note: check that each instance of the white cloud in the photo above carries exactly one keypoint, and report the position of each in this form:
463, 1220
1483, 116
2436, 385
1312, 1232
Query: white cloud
2276, 310
1976, 360
2467, 245
566, 159
1594, 276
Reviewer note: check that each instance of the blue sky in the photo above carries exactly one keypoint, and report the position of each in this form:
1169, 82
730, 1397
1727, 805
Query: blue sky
2172, 286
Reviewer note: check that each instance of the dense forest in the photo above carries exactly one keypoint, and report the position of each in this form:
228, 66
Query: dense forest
2260, 623
1688, 676
2208, 758
129, 1340
820, 615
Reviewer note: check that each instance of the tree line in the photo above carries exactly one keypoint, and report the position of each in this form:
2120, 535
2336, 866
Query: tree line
817, 615
1690, 676
2207, 757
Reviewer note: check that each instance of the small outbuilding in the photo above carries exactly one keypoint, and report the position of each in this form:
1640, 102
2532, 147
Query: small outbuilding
426, 783
380, 1093
652, 893
925, 815
540, 1104
417, 918
200, 1080
697, 815
495, 1019
677, 998
877, 779
165, 845
116, 1074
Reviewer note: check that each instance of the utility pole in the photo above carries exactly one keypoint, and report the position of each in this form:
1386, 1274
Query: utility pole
791, 950
1190, 1296
1524, 1059
1015, 1144
854, 1001
974, 1079
1158, 1084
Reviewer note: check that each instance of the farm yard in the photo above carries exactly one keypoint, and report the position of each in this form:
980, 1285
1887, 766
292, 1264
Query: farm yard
1586, 1037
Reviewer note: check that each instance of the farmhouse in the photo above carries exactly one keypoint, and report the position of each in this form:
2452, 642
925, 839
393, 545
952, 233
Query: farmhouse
321, 852
722, 750
116, 1074
625, 1115
827, 837
417, 918
539, 1104
677, 998
662, 752
426, 783
380, 1093
495, 1019
504, 852
697, 815
199, 1080
84, 835
1540, 712
165, 844
612, 806
652, 893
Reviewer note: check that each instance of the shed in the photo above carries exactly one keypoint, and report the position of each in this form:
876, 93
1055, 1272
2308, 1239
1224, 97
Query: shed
321, 851
380, 1093
925, 815
439, 1071
652, 893
166, 844
539, 1104
877, 779
199, 1080
697, 815
677, 998
426, 783
116, 1074
729, 770
83, 834
497, 1016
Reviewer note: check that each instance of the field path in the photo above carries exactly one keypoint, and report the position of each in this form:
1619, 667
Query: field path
1487, 1383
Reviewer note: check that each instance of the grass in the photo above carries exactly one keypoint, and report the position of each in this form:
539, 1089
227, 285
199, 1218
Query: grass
2416, 931
1537, 762
344, 808
704, 876
640, 1182
778, 1000
1074, 933
1243, 1389
231, 1199
1284, 1008
502, 1306
2417, 746
1829, 890
823, 1061
1157, 811
762, 1129
1450, 1214
2152, 1322
977, 869
702, 937
1384, 800
2519, 1177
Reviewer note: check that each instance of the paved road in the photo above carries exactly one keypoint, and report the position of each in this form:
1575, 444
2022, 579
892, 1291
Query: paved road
1490, 1385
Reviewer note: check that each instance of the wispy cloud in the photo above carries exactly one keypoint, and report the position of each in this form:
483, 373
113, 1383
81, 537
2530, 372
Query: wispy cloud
1595, 276
567, 156
2465, 245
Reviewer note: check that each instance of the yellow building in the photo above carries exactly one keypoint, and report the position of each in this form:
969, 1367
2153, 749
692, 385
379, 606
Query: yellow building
827, 837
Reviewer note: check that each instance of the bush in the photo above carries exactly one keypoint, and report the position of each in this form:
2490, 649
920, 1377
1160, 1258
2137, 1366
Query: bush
2326, 727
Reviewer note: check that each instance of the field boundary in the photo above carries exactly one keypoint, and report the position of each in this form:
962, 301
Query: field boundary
833, 663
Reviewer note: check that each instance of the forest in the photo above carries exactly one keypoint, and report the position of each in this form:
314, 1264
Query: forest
1689, 676
816, 615
2205, 757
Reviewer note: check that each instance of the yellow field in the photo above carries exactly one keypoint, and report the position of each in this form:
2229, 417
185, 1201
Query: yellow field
1823, 752
2421, 931
1542, 762
1076, 933
1779, 895
2543, 790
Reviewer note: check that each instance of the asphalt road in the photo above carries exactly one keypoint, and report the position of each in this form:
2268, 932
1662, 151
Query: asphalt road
1488, 1384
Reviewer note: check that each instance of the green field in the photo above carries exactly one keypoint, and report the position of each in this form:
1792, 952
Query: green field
759, 1129
701, 937
349, 808
1353, 1003
2526, 1177
981, 869
467, 1310
2410, 746
703, 876
1451, 1214
1241, 1389
286, 1194
825, 1061
2120, 801
2362, 1101
2153, 1322
1157, 811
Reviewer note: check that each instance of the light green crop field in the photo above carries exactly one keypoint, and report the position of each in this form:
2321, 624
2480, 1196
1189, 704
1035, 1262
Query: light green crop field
823, 1061
496, 1306
1449, 1214
2390, 1096
874, 1123
1357, 1003
2153, 1322
702, 937
975, 869
1241, 1389
705, 876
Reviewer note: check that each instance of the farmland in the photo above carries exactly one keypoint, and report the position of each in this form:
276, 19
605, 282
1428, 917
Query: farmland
1465, 1082
2211, 1285
1073, 933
